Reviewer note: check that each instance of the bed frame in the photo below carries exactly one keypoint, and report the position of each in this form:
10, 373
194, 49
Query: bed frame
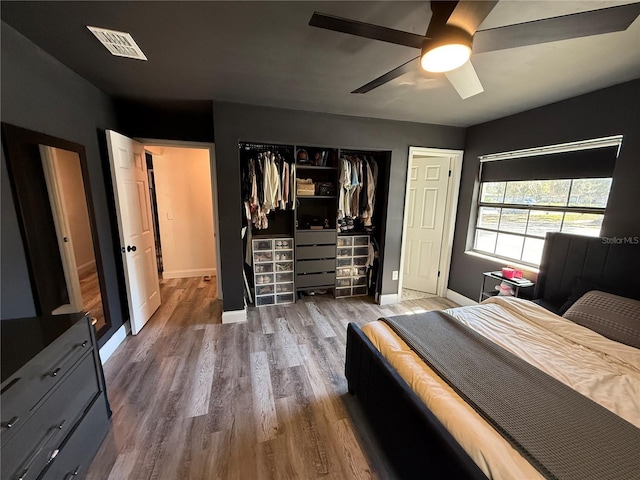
611, 264
416, 443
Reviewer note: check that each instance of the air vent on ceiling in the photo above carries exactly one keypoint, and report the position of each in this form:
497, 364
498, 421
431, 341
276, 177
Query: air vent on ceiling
120, 44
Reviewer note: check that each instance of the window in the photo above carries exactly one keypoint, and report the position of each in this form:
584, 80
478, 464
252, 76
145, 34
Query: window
523, 196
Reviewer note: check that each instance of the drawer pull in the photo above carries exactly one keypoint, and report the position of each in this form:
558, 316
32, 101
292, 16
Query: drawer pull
11, 384
70, 475
27, 465
55, 371
53, 456
10, 423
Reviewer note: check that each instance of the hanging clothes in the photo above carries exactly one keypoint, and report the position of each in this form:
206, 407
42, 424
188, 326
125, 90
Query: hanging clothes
284, 182
265, 185
356, 201
355, 186
369, 195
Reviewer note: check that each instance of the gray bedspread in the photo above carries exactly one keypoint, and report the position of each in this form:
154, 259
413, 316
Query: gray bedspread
562, 433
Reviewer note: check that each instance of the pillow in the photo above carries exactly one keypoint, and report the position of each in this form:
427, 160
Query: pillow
583, 285
612, 316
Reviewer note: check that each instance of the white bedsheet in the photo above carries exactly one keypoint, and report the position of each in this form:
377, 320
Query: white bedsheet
605, 371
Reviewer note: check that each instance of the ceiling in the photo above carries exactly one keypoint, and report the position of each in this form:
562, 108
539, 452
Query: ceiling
264, 53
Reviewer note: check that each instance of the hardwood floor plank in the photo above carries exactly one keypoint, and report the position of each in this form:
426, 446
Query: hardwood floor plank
244, 434
308, 429
266, 459
123, 466
149, 336
193, 398
323, 394
292, 465
321, 322
264, 410
355, 463
201, 386
267, 321
288, 343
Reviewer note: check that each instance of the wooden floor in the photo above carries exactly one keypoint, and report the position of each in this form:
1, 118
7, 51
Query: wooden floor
195, 399
91, 297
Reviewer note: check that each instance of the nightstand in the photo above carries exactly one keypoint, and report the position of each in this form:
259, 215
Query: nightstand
516, 283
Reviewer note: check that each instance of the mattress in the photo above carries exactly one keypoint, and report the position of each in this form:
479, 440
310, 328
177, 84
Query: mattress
603, 370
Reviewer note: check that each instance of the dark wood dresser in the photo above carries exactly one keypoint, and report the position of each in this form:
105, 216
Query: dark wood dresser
55, 412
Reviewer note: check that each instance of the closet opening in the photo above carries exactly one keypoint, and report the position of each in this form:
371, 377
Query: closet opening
314, 221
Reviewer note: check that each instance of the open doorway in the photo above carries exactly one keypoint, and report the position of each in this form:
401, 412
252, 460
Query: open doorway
136, 225
433, 178
183, 211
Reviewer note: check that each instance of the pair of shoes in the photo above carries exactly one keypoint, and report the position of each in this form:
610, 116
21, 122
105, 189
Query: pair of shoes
349, 223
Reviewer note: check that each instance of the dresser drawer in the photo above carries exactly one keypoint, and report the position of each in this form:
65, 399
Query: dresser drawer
32, 445
315, 266
315, 280
316, 237
316, 252
75, 455
26, 388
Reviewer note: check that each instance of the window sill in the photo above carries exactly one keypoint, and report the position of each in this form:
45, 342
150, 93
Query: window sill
504, 261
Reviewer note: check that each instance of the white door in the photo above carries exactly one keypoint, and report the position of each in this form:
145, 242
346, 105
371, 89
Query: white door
63, 231
133, 210
426, 206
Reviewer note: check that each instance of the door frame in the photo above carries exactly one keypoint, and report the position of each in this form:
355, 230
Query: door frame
453, 189
154, 142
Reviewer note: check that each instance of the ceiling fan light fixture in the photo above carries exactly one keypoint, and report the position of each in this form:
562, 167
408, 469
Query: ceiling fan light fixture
450, 50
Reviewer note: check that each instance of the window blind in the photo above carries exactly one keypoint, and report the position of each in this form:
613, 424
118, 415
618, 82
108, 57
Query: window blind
589, 163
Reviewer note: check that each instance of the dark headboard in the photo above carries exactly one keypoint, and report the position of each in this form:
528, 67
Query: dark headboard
570, 261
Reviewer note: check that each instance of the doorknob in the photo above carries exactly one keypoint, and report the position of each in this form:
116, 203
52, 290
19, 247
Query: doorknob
131, 248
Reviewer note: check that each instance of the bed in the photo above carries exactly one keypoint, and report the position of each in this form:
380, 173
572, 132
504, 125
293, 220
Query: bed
428, 431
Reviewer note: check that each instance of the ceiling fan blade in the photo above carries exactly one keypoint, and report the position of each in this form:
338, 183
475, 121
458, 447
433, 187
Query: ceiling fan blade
469, 15
584, 24
407, 67
367, 30
465, 80
440, 13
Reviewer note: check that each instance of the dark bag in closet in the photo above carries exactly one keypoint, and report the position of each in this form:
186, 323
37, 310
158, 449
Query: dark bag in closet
325, 188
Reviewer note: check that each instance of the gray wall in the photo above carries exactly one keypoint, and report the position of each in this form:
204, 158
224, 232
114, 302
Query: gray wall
234, 123
41, 94
183, 120
610, 111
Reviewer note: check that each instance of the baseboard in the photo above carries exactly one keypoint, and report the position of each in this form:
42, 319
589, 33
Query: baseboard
196, 272
234, 316
86, 267
388, 299
460, 299
114, 342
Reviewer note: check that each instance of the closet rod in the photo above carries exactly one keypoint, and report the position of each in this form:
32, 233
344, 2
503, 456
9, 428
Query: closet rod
263, 146
354, 152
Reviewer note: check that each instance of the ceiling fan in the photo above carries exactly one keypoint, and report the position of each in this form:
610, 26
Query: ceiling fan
453, 35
